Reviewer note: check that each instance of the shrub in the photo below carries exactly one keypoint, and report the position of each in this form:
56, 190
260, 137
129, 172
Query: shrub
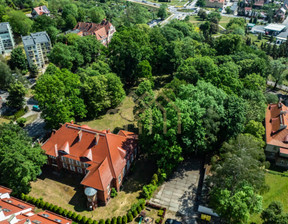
147, 191
129, 217
41, 204
78, 218
95, 222
108, 221
101, 221
84, 220
33, 201
69, 214
114, 220
50, 207
113, 193
139, 209
160, 212
124, 219
55, 208
155, 178
23, 197
74, 216
135, 213
60, 211
157, 220
90, 221
119, 220
142, 203
65, 212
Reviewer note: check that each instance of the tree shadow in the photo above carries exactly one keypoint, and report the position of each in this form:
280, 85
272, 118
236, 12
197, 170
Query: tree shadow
73, 180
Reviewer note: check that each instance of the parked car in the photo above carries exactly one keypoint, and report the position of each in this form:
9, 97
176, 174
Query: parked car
36, 108
172, 221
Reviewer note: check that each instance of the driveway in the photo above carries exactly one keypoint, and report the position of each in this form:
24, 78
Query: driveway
178, 194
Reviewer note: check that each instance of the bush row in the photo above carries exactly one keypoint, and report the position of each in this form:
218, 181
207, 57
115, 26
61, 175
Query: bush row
58, 210
131, 214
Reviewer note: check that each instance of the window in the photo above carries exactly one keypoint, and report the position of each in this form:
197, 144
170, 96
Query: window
108, 189
119, 178
128, 164
86, 165
72, 168
65, 165
78, 163
79, 170
123, 172
86, 171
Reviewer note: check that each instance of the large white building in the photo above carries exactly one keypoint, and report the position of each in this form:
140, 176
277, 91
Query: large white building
6, 38
37, 47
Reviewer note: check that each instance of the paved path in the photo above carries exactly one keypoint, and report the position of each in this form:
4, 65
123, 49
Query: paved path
282, 87
179, 193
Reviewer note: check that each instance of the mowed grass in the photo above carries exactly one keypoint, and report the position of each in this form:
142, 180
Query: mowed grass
3, 120
115, 119
31, 118
65, 190
197, 21
278, 192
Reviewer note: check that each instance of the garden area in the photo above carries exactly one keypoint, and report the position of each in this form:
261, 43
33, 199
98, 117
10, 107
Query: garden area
278, 192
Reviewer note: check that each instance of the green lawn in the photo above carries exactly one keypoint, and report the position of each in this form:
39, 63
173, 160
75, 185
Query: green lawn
278, 192
197, 21
31, 118
3, 120
117, 119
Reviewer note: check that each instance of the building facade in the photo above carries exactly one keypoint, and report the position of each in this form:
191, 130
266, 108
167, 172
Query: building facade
13, 211
103, 158
6, 38
215, 3
103, 31
37, 47
276, 122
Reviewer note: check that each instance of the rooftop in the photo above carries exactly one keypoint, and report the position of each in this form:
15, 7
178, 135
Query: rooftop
40, 10
34, 38
275, 27
276, 121
103, 151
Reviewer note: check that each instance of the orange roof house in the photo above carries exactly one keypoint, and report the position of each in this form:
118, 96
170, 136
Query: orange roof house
276, 124
40, 10
13, 210
103, 31
101, 156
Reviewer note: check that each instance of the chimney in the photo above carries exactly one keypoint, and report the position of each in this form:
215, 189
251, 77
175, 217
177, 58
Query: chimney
80, 133
97, 137
72, 122
56, 150
108, 130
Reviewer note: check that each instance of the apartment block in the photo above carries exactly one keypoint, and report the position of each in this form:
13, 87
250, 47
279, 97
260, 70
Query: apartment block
6, 38
37, 47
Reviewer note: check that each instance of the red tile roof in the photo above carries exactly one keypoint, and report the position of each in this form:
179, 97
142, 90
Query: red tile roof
4, 190
104, 151
13, 205
41, 10
276, 123
101, 30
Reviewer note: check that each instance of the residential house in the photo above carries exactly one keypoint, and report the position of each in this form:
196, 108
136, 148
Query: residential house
6, 38
103, 31
39, 11
276, 122
103, 158
15, 211
258, 4
215, 3
280, 15
234, 8
37, 47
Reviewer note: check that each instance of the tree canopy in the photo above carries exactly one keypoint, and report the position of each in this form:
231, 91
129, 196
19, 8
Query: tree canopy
20, 161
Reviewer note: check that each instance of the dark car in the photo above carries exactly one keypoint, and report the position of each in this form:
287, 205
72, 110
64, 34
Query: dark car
172, 221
